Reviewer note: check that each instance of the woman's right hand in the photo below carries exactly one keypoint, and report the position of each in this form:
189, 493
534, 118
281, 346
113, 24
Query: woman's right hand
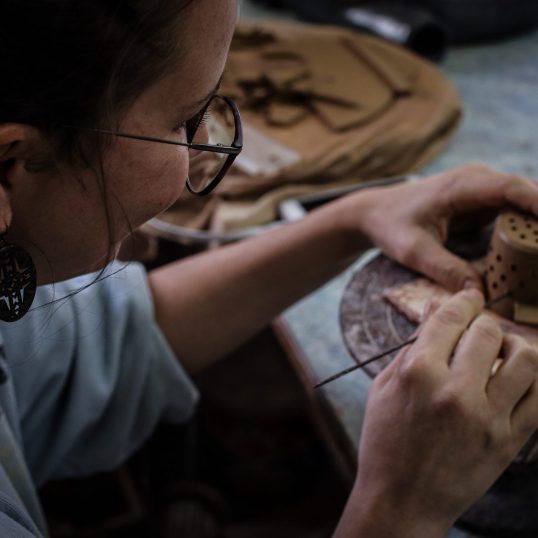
439, 428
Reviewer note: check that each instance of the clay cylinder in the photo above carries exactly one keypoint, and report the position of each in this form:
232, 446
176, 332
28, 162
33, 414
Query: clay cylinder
512, 266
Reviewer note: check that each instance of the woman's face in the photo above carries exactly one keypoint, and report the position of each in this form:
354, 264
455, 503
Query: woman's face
60, 217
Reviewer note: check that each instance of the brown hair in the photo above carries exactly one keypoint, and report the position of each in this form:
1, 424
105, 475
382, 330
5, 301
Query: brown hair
81, 63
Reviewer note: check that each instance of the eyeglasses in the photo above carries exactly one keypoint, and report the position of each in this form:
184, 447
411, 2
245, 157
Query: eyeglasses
214, 139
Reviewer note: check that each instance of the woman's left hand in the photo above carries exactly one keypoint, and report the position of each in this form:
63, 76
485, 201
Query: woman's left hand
410, 222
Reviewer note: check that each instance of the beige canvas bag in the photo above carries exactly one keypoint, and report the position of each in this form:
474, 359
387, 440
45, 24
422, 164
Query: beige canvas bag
321, 107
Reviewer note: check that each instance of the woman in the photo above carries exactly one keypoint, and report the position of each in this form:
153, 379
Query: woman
84, 385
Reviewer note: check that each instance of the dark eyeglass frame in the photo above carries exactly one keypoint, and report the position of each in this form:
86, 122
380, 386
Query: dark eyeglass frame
232, 151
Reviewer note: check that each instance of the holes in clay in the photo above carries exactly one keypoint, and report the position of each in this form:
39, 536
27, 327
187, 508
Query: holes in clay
513, 267
523, 236
499, 258
503, 278
494, 285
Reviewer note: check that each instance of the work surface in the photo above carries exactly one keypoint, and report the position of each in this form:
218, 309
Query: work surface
499, 87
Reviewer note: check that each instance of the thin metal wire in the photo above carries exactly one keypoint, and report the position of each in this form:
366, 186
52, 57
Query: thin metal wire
488, 304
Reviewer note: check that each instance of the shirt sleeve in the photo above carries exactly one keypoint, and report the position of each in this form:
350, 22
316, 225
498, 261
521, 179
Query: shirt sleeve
93, 374
11, 528
15, 521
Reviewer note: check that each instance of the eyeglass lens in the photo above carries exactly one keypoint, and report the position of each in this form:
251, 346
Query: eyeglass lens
217, 127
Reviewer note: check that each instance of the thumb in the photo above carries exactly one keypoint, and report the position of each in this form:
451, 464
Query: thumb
449, 270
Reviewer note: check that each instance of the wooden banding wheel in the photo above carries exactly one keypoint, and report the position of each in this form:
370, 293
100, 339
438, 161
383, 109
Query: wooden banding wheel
369, 326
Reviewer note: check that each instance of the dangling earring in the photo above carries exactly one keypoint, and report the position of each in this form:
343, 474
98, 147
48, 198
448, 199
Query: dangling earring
18, 281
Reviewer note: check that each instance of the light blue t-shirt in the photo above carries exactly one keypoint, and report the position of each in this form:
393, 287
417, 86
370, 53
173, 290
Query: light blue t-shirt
83, 383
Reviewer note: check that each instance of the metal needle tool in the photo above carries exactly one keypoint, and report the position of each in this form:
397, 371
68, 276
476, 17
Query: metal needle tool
488, 304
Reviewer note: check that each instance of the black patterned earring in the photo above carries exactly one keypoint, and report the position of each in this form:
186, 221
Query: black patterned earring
18, 281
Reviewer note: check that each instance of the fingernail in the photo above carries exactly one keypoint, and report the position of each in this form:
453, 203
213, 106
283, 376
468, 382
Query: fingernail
471, 284
474, 292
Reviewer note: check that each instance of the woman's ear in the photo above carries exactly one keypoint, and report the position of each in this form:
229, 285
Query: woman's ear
14, 142
13, 138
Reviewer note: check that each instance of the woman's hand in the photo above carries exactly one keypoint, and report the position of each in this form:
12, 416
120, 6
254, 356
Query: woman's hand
439, 429
410, 222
